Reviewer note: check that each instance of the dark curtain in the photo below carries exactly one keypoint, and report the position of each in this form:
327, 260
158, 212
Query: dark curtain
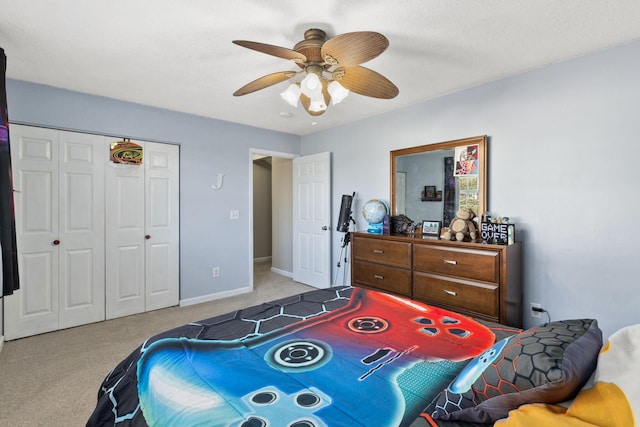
449, 199
10, 280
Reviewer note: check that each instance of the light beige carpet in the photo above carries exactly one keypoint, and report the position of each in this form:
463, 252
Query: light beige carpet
53, 379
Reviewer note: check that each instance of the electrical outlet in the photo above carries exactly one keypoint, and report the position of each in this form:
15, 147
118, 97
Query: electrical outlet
216, 271
536, 313
234, 214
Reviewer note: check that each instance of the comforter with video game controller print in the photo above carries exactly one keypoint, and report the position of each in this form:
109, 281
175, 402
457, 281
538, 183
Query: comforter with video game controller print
343, 356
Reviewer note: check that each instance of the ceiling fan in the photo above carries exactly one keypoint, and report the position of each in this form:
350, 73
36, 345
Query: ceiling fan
331, 69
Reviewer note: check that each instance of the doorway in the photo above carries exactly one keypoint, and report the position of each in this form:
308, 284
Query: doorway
271, 214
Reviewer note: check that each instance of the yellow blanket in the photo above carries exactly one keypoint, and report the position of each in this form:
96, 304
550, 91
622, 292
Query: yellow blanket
604, 405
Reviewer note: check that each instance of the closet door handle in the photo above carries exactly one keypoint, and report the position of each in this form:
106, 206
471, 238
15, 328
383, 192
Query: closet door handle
56, 242
148, 236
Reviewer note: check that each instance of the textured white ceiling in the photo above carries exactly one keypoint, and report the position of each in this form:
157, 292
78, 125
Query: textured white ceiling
178, 55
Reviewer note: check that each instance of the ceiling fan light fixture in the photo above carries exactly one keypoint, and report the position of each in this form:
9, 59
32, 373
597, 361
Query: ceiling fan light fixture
311, 85
317, 103
330, 69
292, 94
337, 91
317, 106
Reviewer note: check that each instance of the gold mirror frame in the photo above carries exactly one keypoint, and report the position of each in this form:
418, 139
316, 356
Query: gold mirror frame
481, 141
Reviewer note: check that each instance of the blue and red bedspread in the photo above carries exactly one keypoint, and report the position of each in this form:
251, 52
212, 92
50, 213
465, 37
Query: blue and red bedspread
335, 357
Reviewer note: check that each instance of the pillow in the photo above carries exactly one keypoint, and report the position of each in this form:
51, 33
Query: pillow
546, 364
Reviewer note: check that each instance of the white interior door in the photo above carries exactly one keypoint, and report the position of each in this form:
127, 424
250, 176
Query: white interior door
81, 228
162, 225
312, 220
33, 309
125, 239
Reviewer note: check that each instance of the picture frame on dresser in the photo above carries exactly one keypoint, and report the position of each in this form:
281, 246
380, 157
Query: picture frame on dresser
431, 229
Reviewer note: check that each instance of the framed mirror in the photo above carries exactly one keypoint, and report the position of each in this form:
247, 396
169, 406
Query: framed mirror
431, 182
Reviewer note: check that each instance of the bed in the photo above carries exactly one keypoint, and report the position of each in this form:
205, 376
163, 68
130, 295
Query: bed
346, 356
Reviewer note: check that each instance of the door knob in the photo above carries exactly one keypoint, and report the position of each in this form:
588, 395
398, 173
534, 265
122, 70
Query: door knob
148, 236
324, 228
56, 242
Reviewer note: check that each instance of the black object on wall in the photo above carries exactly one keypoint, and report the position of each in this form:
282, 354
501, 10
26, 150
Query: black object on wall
10, 280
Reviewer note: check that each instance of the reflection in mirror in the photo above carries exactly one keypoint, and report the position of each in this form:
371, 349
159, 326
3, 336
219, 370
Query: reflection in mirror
431, 182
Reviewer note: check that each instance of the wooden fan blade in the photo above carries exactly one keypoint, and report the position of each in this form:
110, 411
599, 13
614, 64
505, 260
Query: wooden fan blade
364, 81
280, 52
351, 49
263, 82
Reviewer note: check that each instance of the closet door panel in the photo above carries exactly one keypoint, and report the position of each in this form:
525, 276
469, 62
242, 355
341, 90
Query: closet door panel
38, 300
125, 242
158, 275
33, 309
128, 271
82, 222
162, 225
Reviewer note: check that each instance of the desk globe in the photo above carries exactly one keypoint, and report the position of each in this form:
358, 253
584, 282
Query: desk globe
374, 212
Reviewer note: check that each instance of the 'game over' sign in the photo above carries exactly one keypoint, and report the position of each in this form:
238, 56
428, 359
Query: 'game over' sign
500, 234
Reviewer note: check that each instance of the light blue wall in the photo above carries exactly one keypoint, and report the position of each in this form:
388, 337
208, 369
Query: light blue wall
207, 147
563, 149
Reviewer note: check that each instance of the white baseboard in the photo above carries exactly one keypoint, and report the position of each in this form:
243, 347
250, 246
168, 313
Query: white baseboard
282, 272
264, 258
213, 297
1, 342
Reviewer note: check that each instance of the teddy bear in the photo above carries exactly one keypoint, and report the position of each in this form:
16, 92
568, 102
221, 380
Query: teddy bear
462, 227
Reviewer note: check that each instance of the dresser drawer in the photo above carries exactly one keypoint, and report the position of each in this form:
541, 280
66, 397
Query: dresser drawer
483, 265
397, 254
470, 296
383, 277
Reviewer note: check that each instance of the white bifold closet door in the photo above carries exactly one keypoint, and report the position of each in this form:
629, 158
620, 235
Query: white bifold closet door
96, 240
59, 201
142, 240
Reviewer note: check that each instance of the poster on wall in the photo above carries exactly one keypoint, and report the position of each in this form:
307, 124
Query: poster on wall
467, 160
126, 152
468, 193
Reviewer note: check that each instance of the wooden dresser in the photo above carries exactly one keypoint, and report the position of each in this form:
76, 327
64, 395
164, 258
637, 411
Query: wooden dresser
483, 281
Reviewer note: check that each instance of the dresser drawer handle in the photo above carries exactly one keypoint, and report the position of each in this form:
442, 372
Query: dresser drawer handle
447, 261
378, 251
452, 293
379, 277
